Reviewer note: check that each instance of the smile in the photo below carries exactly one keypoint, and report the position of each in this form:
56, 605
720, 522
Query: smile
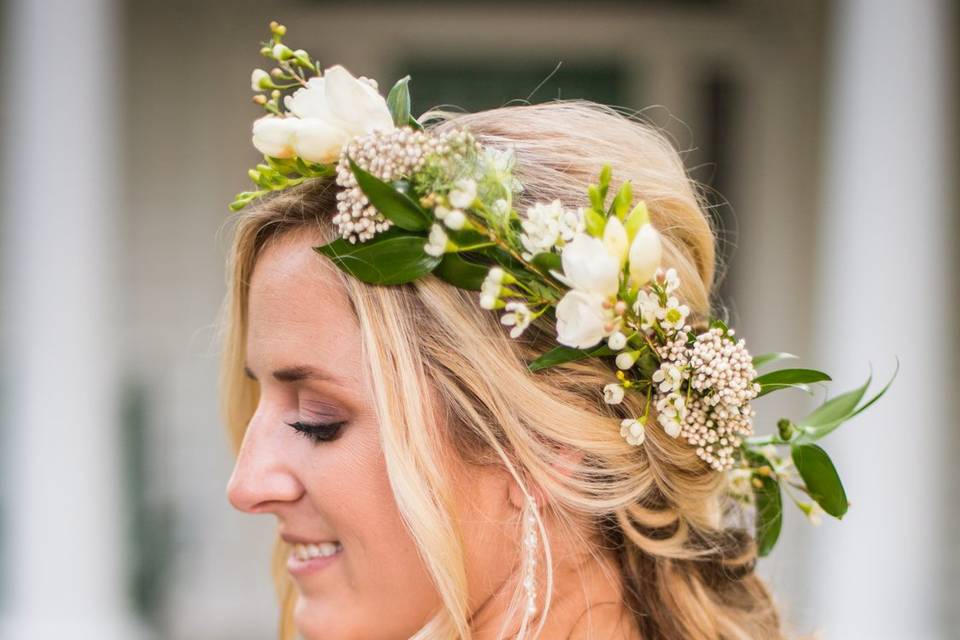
304, 552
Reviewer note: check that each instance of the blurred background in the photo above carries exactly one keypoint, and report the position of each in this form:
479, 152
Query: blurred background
826, 129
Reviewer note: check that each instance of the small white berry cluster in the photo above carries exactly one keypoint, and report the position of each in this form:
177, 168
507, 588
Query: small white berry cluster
714, 411
388, 155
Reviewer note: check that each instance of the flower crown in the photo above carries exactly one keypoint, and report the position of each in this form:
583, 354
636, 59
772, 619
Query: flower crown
413, 203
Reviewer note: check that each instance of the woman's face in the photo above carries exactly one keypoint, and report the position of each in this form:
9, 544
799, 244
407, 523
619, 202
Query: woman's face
356, 566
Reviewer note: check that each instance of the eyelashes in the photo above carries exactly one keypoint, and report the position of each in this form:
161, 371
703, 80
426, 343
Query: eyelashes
318, 432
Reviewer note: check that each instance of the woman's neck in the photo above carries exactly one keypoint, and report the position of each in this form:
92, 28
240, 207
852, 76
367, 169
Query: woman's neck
587, 603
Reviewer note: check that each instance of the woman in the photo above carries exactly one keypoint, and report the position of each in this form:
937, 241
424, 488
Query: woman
400, 440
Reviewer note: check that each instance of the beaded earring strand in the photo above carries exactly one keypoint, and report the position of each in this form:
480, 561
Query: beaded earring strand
530, 544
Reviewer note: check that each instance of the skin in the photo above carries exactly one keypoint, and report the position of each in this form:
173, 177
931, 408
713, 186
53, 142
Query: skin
378, 587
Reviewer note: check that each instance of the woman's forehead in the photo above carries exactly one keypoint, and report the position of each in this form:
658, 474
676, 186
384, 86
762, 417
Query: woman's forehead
298, 308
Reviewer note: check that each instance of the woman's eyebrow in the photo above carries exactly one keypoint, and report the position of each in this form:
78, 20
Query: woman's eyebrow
294, 374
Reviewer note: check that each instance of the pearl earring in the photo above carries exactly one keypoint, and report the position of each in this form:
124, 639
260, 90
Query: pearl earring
530, 555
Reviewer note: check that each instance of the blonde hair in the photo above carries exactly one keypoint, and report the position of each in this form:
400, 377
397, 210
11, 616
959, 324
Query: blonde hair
686, 572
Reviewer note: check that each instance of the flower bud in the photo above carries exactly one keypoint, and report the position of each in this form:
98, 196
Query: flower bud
617, 341
627, 359
613, 394
615, 240
645, 253
282, 52
455, 220
260, 80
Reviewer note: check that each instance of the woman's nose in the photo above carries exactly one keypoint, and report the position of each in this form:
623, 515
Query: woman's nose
262, 479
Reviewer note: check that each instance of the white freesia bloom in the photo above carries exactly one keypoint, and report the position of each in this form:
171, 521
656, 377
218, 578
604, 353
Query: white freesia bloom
613, 393
317, 140
615, 239
582, 319
273, 136
645, 252
342, 100
589, 267
632, 431
331, 109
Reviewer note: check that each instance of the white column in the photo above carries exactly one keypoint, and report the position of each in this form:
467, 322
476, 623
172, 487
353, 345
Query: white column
63, 556
884, 292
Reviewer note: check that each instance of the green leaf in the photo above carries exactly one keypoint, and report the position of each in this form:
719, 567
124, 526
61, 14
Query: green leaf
769, 504
414, 124
831, 414
391, 257
461, 272
821, 478
785, 378
769, 358
561, 355
398, 101
398, 207
547, 261
466, 237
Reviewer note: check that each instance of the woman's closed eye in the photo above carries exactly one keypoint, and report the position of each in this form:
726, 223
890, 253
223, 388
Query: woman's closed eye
318, 431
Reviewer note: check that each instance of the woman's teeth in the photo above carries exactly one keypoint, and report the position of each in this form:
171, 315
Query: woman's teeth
322, 550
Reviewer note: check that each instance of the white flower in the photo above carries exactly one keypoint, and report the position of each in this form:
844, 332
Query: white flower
547, 226
492, 283
646, 307
257, 79
615, 239
541, 228
332, 109
317, 140
463, 194
455, 219
632, 431
589, 267
739, 483
674, 315
668, 376
627, 359
437, 242
343, 100
645, 252
582, 319
572, 222
672, 412
814, 514
617, 341
668, 279
273, 136
518, 317
613, 393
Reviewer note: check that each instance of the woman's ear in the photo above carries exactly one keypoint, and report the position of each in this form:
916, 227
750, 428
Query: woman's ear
516, 495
